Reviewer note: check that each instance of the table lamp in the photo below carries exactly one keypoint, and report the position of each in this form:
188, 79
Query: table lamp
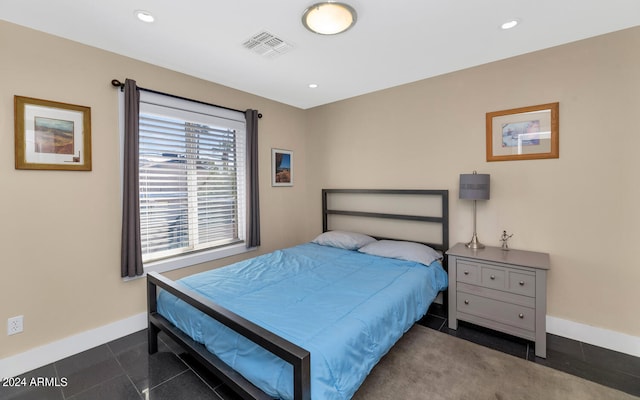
474, 187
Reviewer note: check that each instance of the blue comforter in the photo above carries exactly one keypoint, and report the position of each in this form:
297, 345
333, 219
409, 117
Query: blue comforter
346, 308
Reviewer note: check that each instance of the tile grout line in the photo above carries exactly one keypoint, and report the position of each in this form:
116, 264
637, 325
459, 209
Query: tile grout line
96, 385
115, 356
189, 368
55, 369
584, 357
168, 380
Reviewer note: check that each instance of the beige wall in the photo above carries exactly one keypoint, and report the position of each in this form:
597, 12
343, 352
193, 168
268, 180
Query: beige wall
60, 230
581, 208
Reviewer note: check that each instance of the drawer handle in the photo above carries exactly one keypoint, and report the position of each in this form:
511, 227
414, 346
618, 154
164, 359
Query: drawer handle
493, 277
466, 272
466, 302
521, 316
521, 283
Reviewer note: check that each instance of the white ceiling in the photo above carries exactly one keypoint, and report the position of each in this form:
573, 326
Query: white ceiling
394, 41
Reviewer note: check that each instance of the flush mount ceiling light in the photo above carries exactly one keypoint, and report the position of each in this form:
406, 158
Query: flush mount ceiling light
144, 16
329, 18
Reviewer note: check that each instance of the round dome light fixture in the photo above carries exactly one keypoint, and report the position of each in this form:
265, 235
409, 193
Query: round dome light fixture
329, 18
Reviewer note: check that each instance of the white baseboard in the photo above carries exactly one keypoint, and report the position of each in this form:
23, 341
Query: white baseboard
46, 354
43, 355
600, 337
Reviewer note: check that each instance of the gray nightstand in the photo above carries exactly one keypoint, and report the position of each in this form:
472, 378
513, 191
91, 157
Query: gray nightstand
501, 290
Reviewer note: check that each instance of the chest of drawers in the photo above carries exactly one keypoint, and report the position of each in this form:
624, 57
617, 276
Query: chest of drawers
500, 290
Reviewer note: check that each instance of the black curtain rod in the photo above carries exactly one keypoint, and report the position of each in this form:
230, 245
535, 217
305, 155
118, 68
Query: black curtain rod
117, 83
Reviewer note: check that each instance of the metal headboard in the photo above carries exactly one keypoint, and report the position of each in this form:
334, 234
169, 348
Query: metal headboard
441, 219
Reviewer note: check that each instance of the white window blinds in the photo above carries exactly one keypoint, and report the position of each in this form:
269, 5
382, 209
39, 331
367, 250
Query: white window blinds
192, 176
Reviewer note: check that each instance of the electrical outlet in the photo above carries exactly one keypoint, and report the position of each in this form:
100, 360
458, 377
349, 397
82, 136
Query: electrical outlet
15, 325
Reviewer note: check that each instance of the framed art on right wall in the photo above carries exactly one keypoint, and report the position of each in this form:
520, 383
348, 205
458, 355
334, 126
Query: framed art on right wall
526, 133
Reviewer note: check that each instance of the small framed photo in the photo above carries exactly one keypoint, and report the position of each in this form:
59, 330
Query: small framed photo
526, 133
52, 135
281, 167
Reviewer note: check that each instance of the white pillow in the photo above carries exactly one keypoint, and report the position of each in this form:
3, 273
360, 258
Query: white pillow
343, 239
409, 251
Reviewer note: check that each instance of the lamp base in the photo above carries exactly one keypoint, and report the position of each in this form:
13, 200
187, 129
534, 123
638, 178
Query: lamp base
475, 243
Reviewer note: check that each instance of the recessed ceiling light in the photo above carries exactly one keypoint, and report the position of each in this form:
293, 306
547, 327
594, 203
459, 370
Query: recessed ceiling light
329, 18
144, 16
313, 85
510, 24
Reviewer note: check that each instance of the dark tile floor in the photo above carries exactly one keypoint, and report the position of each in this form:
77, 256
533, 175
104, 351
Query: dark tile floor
123, 370
606, 367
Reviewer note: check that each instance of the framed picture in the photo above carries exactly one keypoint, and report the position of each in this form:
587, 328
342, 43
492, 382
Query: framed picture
281, 167
526, 133
52, 135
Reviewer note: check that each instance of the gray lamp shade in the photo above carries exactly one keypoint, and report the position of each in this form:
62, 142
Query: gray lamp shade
474, 186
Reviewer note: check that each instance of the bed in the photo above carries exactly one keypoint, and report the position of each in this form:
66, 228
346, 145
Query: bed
312, 320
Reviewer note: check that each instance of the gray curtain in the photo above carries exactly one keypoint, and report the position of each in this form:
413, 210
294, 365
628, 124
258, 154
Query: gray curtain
131, 246
253, 195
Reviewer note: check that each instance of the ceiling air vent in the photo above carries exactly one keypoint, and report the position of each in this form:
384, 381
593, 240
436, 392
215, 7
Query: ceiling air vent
267, 45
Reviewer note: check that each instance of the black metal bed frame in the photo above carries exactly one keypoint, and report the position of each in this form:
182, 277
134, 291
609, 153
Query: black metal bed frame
298, 357
443, 219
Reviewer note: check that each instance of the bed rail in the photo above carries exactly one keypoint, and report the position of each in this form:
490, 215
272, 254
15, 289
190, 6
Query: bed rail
298, 357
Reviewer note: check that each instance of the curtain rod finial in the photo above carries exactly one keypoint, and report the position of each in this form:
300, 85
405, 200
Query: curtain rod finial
117, 83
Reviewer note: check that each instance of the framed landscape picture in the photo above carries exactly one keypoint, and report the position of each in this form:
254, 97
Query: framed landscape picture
281, 167
52, 135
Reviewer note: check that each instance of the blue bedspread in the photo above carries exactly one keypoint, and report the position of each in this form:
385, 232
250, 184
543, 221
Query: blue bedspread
346, 308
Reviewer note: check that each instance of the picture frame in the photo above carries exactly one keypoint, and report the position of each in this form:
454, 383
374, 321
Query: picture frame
281, 167
526, 133
50, 135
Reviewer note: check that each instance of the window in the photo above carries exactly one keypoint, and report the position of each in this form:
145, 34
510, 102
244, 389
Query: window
192, 178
